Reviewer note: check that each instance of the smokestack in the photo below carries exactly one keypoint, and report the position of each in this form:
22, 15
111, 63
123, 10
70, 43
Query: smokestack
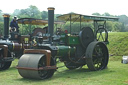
6, 25
50, 22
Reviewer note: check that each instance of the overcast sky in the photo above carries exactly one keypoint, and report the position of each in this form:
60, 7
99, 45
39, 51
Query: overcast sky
87, 7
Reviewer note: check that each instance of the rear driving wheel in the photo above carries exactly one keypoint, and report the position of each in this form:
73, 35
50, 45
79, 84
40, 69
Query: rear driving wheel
97, 56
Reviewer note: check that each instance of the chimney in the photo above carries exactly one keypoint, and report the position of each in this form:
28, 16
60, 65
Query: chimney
50, 22
6, 25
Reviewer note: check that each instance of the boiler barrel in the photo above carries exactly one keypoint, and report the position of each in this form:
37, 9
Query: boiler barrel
14, 46
65, 50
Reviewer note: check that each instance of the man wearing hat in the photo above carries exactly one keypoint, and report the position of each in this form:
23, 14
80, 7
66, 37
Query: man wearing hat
14, 25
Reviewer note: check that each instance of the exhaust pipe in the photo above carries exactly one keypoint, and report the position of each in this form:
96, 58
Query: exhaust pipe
6, 26
50, 23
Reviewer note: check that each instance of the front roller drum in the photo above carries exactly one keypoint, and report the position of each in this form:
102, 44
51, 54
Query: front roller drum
97, 56
29, 66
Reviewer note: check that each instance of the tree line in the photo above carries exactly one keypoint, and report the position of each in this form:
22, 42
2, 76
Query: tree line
34, 12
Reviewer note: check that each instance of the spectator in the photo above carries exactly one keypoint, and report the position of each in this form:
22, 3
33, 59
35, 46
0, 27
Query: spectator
14, 25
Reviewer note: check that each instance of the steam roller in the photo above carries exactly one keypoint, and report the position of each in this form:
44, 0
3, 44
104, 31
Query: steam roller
41, 64
74, 50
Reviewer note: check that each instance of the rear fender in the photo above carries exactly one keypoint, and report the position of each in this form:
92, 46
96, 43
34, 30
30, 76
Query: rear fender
4, 50
40, 51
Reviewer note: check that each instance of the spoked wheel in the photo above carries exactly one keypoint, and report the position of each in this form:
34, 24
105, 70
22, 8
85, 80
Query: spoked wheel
97, 56
70, 65
102, 35
45, 73
4, 65
30, 63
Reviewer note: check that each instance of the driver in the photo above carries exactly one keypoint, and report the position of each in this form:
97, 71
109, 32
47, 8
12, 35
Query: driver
59, 31
14, 25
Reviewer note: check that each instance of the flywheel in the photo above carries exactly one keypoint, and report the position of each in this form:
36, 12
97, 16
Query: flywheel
86, 36
38, 32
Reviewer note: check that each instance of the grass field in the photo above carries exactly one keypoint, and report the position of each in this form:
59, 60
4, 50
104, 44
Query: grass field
115, 74
118, 43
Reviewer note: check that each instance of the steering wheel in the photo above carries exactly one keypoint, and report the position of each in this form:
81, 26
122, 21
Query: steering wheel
102, 34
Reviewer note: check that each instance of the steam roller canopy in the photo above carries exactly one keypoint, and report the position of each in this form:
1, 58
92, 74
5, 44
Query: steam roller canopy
33, 61
86, 36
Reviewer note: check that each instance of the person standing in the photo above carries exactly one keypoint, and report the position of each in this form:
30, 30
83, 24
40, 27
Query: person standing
14, 25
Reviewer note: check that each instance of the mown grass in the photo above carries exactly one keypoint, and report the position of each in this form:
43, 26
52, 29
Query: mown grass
118, 43
115, 74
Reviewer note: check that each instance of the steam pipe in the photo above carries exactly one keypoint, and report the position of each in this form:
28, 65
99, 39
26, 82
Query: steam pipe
6, 26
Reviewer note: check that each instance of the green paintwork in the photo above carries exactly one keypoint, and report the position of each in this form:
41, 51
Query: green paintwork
73, 40
65, 50
70, 39
63, 38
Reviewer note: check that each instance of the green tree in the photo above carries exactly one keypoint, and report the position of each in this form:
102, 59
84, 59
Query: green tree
1, 23
44, 15
0, 11
106, 14
98, 14
34, 12
1, 28
123, 19
55, 16
16, 12
118, 27
1, 16
31, 12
